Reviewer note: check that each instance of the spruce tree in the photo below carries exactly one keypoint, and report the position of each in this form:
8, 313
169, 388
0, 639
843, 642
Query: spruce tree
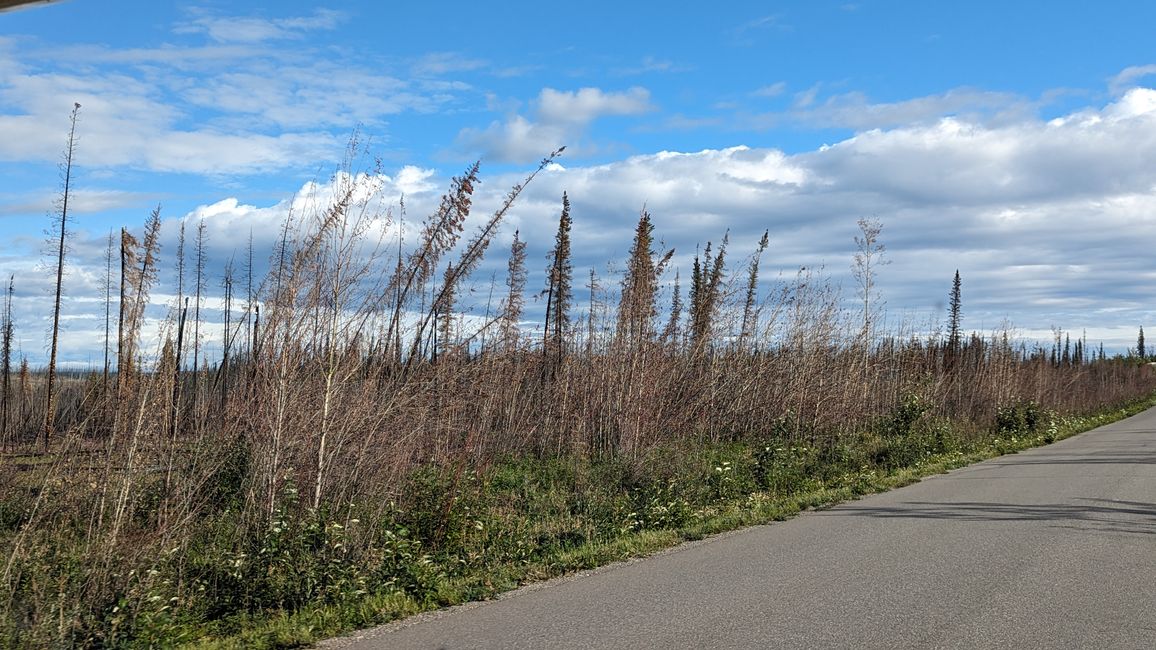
671, 331
1140, 350
636, 307
706, 293
515, 297
636, 310
444, 309
559, 278
955, 316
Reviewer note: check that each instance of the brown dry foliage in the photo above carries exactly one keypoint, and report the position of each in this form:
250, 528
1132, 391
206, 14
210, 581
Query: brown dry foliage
340, 396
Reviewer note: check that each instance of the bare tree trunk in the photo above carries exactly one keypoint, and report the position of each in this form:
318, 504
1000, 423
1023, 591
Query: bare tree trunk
50, 397
868, 256
107, 317
223, 371
197, 314
6, 369
123, 354
182, 315
175, 400
249, 298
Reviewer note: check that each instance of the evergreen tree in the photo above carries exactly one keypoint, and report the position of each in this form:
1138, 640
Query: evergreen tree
706, 293
955, 316
636, 310
444, 312
515, 297
696, 286
1140, 351
559, 291
671, 331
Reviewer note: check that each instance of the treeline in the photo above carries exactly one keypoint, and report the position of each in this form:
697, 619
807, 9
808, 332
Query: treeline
351, 370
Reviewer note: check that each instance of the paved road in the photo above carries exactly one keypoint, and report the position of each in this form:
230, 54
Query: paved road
1051, 548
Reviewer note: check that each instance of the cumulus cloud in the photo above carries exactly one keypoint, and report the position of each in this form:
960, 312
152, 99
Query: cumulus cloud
561, 119
229, 223
972, 164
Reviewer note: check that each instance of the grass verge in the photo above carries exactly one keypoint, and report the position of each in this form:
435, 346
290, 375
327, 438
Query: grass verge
529, 520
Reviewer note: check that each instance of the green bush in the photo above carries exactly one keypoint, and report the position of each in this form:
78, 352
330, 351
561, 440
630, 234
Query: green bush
903, 416
1022, 416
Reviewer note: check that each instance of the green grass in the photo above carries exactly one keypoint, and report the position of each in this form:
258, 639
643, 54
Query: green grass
530, 520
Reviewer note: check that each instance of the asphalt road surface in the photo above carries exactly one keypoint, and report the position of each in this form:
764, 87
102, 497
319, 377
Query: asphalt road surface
1050, 548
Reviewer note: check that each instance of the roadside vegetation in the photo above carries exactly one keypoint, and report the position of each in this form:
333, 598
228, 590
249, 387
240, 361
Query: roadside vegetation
360, 450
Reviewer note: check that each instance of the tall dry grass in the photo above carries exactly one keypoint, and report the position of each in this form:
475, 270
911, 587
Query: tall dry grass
358, 371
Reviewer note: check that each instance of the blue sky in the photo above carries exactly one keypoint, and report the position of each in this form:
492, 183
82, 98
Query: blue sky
1014, 141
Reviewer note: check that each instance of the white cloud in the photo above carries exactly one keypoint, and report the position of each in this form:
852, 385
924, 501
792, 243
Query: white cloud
515, 140
772, 90
237, 105
81, 201
234, 29
1136, 102
411, 180
805, 98
562, 118
1128, 77
650, 65
587, 104
1089, 154
854, 110
229, 222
